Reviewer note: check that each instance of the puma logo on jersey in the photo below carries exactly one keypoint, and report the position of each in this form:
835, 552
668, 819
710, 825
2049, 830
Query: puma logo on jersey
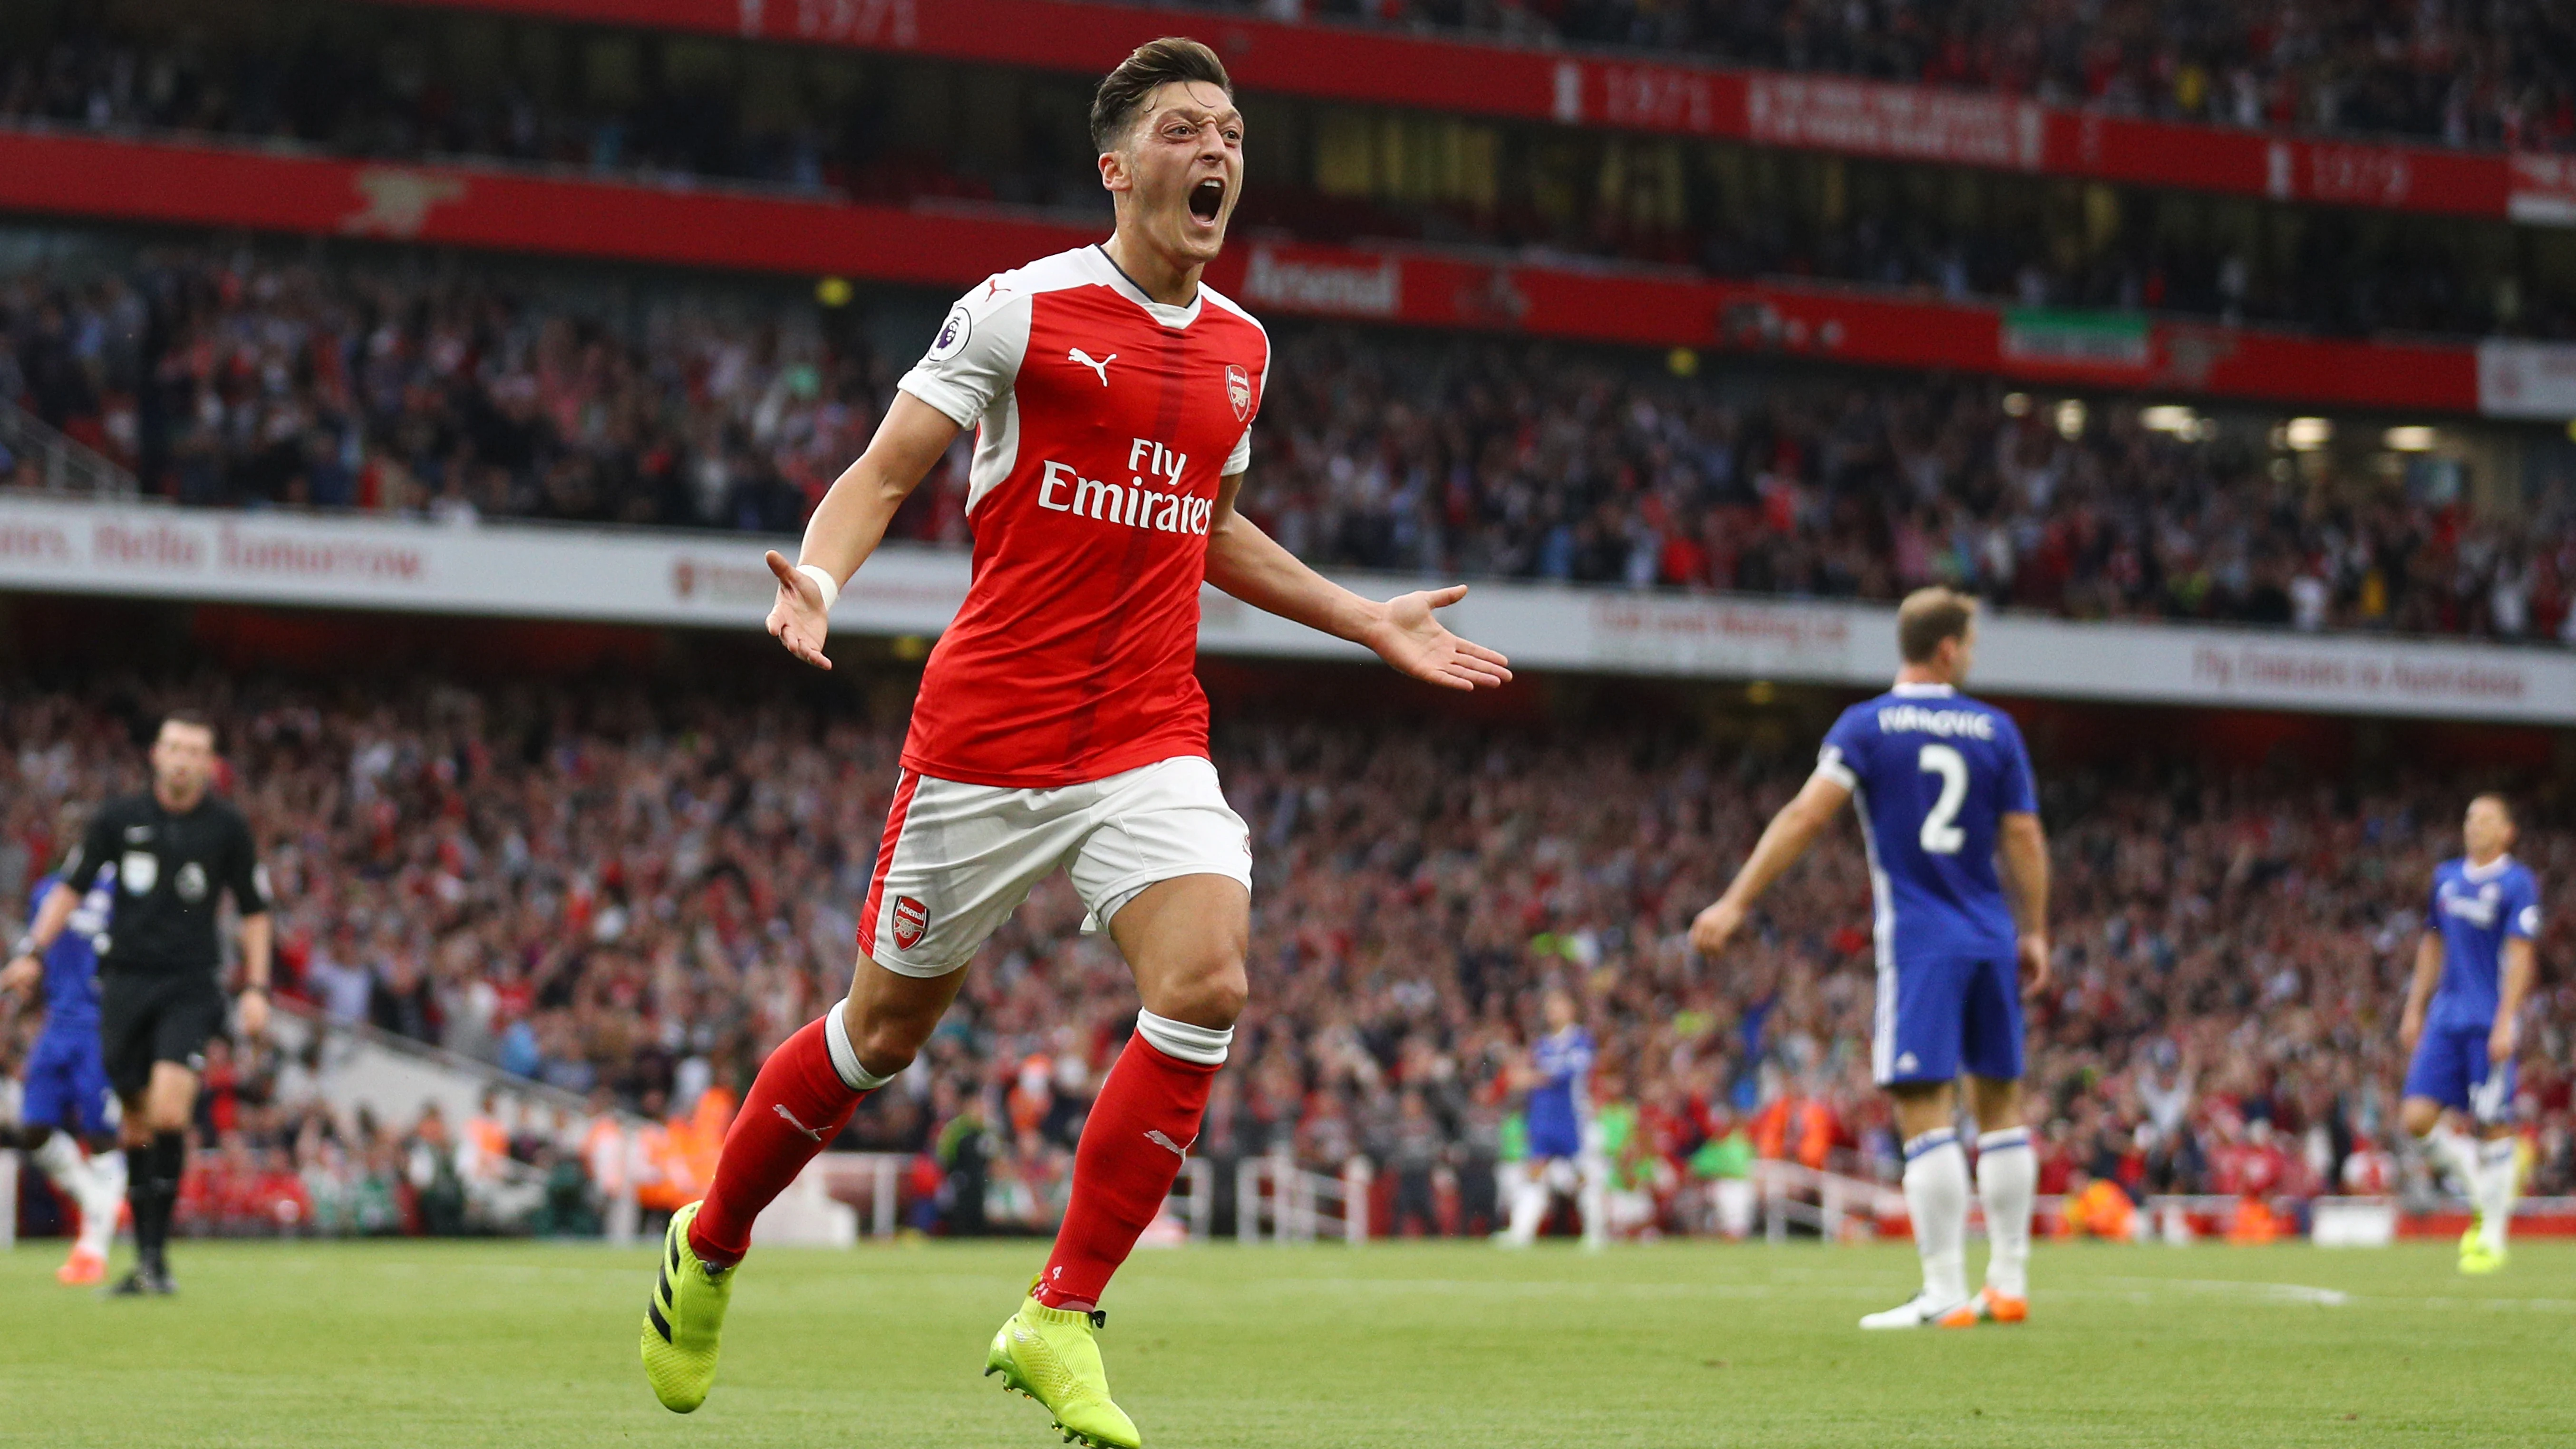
1168, 1145
781, 1109
1101, 367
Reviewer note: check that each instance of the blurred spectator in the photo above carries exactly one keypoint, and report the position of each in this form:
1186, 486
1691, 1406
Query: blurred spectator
1375, 450
2233, 946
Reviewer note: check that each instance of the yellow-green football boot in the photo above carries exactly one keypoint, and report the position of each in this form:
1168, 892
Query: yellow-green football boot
2476, 1259
1052, 1356
683, 1319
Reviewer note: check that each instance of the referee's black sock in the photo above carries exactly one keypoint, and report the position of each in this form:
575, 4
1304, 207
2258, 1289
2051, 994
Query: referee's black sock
169, 1160
142, 1185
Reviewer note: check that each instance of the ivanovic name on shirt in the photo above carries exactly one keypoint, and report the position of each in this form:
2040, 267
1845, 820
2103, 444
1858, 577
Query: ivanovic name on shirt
1914, 719
1063, 489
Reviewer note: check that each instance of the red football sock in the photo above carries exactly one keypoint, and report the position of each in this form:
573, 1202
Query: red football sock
797, 1105
1146, 1117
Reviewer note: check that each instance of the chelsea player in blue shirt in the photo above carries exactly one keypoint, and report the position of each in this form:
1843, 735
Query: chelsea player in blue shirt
2473, 970
1562, 1153
1944, 789
66, 1101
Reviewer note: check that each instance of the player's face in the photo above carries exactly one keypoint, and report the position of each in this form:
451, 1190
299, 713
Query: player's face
1181, 171
183, 756
1560, 1011
2487, 831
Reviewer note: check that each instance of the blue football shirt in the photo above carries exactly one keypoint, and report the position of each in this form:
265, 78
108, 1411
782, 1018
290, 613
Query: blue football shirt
2477, 909
71, 963
1933, 773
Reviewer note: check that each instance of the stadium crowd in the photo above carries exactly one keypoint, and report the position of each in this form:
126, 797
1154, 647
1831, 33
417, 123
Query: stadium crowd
401, 89
2469, 73
247, 382
632, 893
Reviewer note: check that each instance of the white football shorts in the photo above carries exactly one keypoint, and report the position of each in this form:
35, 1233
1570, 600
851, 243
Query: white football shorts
958, 859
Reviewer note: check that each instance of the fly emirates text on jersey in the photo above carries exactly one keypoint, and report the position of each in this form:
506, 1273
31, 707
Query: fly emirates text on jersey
1136, 504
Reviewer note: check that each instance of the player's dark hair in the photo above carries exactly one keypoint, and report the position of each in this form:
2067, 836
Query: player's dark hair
1124, 91
1929, 616
193, 718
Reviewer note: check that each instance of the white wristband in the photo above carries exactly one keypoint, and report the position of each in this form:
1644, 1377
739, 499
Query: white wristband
822, 580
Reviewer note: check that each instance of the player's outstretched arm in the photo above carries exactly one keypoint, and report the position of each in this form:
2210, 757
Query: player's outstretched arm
1405, 631
851, 521
2428, 974
257, 937
2024, 848
26, 960
2521, 964
1783, 841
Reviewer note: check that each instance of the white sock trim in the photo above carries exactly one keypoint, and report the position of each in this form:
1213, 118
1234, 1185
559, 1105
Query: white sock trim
2002, 1140
845, 1057
1205, 1045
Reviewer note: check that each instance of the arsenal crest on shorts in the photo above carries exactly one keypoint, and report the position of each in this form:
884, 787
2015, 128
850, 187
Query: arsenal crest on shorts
911, 918
1238, 390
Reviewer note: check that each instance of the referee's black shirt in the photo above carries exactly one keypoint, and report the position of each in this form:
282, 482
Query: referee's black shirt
170, 866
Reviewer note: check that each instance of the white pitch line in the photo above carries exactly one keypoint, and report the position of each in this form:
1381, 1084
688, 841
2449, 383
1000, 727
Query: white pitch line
2284, 1292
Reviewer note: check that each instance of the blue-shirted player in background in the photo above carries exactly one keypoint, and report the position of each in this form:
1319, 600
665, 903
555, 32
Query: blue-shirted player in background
1558, 1112
67, 1091
2473, 970
1944, 788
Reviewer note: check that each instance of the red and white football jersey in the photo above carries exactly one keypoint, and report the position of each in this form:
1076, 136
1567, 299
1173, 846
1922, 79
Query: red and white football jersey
1103, 421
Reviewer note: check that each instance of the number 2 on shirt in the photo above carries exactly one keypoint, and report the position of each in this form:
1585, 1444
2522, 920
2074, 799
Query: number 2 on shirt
1941, 836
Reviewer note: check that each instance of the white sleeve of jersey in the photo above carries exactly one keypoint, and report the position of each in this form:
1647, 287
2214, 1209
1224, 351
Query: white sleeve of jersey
972, 362
1241, 458
1830, 764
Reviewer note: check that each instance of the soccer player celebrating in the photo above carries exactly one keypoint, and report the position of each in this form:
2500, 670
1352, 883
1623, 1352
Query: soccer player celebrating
1559, 1116
66, 1093
1944, 787
175, 850
2473, 969
1059, 722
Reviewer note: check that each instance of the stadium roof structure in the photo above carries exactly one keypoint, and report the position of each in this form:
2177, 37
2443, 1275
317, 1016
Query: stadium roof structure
1643, 93
952, 245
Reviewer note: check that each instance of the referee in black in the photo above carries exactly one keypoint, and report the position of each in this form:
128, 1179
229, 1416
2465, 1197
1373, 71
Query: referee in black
160, 993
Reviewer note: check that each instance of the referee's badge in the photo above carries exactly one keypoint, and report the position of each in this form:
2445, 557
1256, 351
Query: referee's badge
140, 871
192, 882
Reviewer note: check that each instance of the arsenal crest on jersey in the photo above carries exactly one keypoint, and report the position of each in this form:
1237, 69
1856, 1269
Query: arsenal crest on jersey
911, 918
1238, 390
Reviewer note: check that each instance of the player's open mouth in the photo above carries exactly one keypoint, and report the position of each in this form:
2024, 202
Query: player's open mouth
1207, 199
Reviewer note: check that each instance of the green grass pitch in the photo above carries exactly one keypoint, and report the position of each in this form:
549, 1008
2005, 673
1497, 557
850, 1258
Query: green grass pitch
458, 1345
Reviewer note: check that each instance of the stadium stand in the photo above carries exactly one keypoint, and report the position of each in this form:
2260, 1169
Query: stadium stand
2490, 74
633, 891
399, 84
394, 384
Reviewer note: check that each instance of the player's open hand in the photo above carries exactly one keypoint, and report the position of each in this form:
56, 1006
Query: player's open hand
2500, 1042
798, 619
2033, 952
1411, 637
1716, 926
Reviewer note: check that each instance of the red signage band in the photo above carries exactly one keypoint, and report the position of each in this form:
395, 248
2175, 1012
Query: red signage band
954, 247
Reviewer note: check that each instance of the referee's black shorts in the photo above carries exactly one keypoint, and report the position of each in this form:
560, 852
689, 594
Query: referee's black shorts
153, 1016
